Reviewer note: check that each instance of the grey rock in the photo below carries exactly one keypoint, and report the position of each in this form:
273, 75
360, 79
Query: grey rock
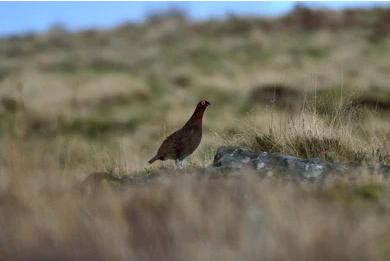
229, 163
271, 164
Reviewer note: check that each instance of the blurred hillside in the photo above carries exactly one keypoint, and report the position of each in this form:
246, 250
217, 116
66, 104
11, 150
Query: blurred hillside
170, 41
141, 81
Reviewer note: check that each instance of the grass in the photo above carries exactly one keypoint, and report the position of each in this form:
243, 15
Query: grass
177, 217
310, 147
73, 104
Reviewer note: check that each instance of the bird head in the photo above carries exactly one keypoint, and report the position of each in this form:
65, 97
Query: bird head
196, 118
203, 104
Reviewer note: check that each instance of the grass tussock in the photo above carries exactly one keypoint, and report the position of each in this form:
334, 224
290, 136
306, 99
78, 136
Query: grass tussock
335, 139
310, 147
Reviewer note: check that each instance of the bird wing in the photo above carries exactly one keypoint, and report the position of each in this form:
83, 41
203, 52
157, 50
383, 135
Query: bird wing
172, 145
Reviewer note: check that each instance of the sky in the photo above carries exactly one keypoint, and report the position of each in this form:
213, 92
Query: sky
24, 17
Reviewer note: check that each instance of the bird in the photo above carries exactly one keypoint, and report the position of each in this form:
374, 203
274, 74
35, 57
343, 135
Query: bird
184, 141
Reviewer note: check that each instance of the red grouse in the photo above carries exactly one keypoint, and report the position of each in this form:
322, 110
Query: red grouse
183, 142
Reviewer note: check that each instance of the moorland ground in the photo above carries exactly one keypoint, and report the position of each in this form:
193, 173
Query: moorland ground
310, 84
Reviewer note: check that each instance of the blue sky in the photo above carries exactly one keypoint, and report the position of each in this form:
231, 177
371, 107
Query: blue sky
22, 17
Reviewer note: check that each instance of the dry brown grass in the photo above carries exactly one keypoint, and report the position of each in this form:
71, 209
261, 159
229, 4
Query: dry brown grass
47, 215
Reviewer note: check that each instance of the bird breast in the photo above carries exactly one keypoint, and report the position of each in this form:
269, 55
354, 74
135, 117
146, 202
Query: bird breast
191, 140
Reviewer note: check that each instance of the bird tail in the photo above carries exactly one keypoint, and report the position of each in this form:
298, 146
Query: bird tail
153, 159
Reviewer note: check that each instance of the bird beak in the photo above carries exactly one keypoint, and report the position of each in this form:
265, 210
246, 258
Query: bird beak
208, 104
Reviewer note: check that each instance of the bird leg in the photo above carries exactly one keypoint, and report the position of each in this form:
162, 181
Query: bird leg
179, 163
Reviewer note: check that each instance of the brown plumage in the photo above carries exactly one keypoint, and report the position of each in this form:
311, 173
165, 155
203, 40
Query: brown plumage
183, 142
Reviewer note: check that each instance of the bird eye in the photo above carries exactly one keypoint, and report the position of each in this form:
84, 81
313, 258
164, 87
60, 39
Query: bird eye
203, 103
